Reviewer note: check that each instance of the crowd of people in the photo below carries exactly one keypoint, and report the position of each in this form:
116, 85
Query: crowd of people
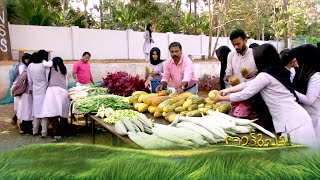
281, 90
45, 99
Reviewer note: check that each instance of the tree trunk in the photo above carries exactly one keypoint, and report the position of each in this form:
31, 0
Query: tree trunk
101, 14
190, 7
5, 47
225, 32
195, 16
85, 3
285, 36
257, 19
65, 5
210, 27
223, 19
195, 8
216, 43
262, 33
110, 10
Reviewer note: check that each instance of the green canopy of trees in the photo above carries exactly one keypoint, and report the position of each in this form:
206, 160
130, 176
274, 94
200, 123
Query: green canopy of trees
261, 19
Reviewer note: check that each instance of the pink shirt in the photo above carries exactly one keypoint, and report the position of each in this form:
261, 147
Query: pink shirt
82, 70
182, 72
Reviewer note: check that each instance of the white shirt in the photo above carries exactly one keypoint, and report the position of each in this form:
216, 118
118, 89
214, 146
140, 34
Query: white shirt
286, 113
292, 73
311, 101
157, 69
37, 78
22, 67
236, 61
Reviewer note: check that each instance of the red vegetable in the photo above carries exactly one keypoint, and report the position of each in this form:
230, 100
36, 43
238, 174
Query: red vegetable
208, 83
123, 84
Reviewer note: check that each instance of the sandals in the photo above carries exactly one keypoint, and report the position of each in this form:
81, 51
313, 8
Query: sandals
57, 139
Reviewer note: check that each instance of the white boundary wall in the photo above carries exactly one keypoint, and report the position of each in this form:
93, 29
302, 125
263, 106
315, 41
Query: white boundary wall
70, 42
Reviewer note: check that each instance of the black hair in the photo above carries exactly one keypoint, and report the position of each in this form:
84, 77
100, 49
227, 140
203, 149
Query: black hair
308, 59
158, 61
149, 29
253, 45
175, 44
43, 55
222, 54
286, 56
34, 58
24, 57
86, 53
266, 56
58, 62
238, 33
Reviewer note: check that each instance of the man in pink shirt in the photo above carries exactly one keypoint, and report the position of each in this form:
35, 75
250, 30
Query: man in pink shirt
81, 70
180, 70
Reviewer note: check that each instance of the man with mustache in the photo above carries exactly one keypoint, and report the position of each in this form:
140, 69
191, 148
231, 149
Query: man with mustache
241, 58
180, 70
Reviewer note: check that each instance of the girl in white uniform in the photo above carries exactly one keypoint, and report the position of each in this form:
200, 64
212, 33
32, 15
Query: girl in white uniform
273, 83
148, 41
24, 105
38, 83
56, 102
307, 82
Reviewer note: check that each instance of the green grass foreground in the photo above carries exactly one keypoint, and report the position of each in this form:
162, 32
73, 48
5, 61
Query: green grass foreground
77, 161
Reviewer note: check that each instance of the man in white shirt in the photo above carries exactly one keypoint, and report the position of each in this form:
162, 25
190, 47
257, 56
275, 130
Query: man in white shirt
241, 58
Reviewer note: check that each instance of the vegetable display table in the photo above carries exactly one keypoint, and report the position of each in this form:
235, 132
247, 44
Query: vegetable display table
110, 127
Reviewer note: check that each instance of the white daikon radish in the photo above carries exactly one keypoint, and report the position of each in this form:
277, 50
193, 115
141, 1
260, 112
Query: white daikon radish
205, 123
185, 134
237, 121
168, 135
242, 129
198, 129
263, 130
221, 121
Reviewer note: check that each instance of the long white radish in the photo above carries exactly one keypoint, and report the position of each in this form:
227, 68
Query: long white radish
221, 121
242, 129
263, 130
144, 120
217, 121
185, 134
168, 135
209, 125
198, 129
238, 121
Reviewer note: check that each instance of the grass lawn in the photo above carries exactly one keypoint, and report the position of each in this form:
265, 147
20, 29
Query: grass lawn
79, 161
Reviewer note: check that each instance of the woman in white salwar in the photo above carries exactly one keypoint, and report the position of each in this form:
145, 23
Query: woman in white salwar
307, 82
148, 41
38, 83
56, 102
24, 104
273, 83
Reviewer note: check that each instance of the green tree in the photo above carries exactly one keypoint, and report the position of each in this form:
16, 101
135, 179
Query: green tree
34, 12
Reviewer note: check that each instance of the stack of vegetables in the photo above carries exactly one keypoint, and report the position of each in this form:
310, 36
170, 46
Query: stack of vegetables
91, 104
111, 116
163, 104
185, 132
84, 91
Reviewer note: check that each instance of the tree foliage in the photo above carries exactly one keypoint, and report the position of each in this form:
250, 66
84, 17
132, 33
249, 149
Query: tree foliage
261, 19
